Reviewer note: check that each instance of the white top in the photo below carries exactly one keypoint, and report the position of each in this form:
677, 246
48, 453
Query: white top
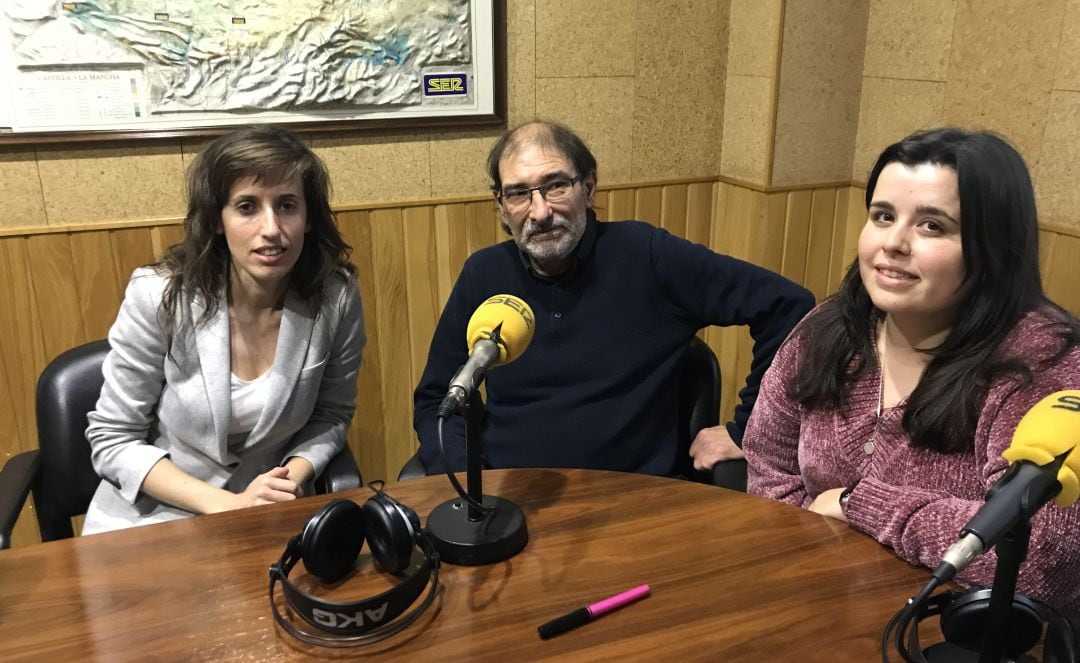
248, 399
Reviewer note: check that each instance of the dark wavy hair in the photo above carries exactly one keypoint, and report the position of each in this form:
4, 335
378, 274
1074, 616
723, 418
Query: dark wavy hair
200, 263
999, 239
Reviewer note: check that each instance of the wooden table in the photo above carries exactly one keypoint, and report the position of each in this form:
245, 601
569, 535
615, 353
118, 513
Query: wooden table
734, 578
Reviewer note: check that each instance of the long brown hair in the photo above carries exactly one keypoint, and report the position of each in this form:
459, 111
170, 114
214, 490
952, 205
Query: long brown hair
200, 263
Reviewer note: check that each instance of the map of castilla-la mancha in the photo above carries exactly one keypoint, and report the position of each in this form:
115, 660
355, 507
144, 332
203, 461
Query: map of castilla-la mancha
222, 55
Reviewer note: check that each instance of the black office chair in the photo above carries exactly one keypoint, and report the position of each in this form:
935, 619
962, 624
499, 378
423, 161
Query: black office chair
59, 472
699, 407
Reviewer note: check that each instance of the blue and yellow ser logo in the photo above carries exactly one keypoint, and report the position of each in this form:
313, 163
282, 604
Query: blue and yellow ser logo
445, 85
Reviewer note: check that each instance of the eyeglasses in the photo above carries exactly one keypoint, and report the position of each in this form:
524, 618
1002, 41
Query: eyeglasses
553, 191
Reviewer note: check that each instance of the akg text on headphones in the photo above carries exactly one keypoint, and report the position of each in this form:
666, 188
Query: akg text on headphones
329, 546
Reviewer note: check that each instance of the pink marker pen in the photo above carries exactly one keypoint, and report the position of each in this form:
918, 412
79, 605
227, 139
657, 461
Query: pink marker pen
583, 616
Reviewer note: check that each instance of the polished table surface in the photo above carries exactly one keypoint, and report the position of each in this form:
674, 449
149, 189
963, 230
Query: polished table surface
734, 578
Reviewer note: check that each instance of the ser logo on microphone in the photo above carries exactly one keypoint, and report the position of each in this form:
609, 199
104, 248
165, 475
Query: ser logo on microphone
516, 304
1071, 403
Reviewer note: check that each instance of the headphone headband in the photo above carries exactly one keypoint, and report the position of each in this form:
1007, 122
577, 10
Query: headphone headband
363, 621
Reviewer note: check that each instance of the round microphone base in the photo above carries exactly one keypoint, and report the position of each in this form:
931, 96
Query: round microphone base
495, 537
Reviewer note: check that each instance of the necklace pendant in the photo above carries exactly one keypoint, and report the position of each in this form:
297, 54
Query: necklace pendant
868, 448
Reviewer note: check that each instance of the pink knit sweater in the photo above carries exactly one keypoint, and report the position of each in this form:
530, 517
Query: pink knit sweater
916, 500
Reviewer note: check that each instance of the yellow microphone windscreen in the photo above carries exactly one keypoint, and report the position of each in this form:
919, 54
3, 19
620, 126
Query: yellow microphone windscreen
1048, 430
514, 320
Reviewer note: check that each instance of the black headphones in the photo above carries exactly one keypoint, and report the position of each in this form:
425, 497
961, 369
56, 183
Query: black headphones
329, 546
963, 618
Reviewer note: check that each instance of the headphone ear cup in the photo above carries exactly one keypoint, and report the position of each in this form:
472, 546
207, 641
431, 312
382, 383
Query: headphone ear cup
1062, 643
392, 532
964, 620
332, 540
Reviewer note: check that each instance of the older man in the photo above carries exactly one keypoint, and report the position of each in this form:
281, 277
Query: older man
616, 305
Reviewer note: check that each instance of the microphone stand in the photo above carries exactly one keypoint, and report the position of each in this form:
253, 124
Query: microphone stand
1012, 550
465, 534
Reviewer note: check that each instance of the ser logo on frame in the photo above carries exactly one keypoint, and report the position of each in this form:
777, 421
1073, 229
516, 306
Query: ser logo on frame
444, 85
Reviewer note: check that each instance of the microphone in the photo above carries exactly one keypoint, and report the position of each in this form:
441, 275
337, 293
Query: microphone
498, 332
1044, 459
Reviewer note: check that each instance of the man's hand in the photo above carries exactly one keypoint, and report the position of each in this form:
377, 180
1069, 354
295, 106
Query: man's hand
712, 445
827, 503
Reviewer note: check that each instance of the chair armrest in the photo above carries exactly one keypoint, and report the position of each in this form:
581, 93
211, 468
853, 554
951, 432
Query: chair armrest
341, 473
16, 480
730, 474
414, 469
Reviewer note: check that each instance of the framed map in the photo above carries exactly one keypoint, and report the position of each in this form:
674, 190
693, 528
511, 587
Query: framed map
106, 69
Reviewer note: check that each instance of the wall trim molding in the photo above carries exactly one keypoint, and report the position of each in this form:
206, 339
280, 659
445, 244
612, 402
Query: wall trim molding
480, 197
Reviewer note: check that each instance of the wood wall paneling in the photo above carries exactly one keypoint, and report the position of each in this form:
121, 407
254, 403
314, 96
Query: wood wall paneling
672, 214
62, 287
648, 206
819, 246
621, 204
451, 247
1061, 271
699, 207
98, 288
796, 235
368, 421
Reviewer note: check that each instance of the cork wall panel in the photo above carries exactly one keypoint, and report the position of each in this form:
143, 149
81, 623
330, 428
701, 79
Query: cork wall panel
459, 162
360, 166
818, 101
600, 110
890, 109
678, 94
748, 104
754, 37
575, 39
909, 39
119, 181
1001, 68
520, 61
1067, 71
20, 189
1057, 170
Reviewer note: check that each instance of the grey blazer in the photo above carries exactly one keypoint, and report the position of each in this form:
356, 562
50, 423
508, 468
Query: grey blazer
153, 406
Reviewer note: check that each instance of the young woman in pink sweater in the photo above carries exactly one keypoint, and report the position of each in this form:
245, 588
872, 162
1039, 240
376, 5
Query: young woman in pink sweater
889, 405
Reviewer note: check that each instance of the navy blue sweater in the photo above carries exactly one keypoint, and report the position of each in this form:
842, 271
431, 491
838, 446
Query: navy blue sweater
597, 387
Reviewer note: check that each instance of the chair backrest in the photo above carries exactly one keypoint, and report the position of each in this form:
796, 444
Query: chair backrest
699, 402
67, 391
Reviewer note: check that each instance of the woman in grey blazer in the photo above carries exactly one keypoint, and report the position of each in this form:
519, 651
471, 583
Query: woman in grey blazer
231, 379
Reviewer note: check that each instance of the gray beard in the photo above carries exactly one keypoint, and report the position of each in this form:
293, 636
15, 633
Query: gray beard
573, 232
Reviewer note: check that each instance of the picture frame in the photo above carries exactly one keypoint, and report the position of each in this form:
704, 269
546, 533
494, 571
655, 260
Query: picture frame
483, 81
